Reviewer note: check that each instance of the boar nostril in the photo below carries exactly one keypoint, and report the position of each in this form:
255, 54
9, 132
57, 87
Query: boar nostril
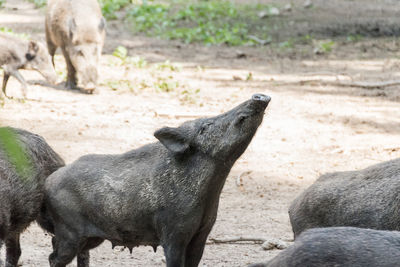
261, 97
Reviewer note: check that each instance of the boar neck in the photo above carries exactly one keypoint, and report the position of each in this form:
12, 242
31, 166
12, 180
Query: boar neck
205, 175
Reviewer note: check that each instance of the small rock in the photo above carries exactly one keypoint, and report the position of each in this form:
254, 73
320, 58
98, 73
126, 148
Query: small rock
273, 11
288, 7
274, 244
240, 54
307, 4
262, 14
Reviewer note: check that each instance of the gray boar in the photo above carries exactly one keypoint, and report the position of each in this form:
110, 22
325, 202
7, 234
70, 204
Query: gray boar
340, 247
165, 193
18, 54
21, 192
368, 198
79, 29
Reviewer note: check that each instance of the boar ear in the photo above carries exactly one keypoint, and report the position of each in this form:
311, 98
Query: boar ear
102, 24
32, 50
173, 139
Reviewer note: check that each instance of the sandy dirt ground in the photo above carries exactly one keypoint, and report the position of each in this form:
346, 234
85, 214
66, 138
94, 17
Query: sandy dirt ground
312, 125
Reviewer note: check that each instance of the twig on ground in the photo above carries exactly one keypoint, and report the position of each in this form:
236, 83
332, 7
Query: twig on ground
255, 240
365, 85
266, 244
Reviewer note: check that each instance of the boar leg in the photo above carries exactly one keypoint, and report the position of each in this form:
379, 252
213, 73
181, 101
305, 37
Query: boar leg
21, 79
5, 80
195, 249
175, 254
64, 250
50, 45
83, 259
84, 256
13, 250
71, 78
1, 244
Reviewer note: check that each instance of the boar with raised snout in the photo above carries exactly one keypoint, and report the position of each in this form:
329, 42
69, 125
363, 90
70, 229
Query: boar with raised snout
165, 193
16, 53
78, 27
368, 198
340, 247
22, 185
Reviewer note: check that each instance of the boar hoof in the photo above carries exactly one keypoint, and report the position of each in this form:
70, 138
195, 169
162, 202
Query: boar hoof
88, 91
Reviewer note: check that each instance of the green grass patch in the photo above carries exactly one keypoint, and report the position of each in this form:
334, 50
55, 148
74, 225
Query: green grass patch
15, 153
11, 32
109, 7
39, 3
208, 22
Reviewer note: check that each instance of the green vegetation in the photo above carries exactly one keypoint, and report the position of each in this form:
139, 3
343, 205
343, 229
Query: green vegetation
209, 22
10, 31
2, 3
39, 3
122, 53
109, 7
15, 152
162, 78
323, 47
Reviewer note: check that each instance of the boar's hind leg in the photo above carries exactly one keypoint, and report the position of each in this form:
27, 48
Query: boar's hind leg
13, 250
195, 249
84, 256
71, 77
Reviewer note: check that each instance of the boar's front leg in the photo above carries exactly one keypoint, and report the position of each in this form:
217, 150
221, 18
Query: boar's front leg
16, 74
175, 254
195, 249
71, 76
50, 45
5, 80
13, 250
65, 248
83, 259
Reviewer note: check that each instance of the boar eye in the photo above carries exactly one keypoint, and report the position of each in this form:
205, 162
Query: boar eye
204, 127
240, 119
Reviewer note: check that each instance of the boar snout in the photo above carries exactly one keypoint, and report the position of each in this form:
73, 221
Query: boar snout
259, 102
88, 80
261, 97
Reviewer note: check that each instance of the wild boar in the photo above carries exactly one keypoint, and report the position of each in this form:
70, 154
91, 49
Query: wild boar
78, 27
368, 198
22, 186
16, 53
165, 193
340, 247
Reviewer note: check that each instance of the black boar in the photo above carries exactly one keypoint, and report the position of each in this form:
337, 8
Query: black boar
340, 247
368, 198
18, 54
165, 193
79, 29
22, 187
